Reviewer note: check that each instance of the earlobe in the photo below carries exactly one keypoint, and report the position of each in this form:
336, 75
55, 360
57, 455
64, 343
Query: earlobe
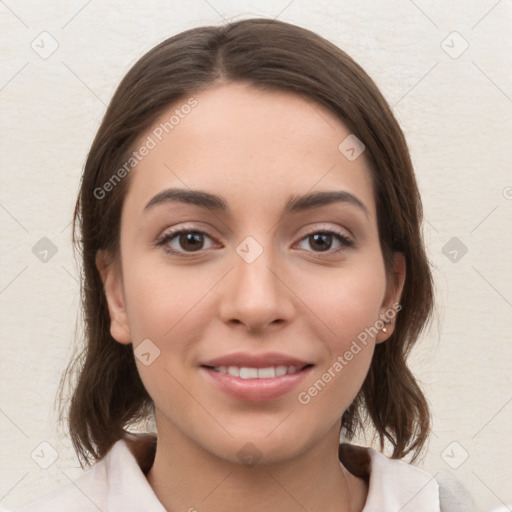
113, 287
391, 304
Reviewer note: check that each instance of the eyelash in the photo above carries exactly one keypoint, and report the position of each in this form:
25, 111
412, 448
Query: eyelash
344, 241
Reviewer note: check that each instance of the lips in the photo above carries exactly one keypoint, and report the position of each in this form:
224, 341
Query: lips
255, 377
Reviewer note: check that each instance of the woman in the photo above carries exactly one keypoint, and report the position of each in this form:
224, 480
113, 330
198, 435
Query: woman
253, 279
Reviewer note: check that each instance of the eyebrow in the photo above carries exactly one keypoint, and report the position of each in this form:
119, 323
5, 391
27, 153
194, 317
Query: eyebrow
294, 204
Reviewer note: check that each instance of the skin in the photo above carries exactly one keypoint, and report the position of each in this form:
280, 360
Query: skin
255, 149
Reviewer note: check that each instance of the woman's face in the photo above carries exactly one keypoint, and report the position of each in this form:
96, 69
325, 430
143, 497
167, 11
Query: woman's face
252, 283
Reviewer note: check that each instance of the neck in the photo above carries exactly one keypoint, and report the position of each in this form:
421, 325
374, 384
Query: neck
186, 477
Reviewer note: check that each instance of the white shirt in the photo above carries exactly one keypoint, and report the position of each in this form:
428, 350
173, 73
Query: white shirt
118, 484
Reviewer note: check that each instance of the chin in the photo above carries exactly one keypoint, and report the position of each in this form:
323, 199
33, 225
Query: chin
247, 452
259, 447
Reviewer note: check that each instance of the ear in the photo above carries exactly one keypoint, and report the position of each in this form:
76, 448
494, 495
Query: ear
113, 285
391, 305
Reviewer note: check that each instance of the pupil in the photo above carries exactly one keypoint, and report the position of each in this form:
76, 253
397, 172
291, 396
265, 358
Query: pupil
193, 241
323, 241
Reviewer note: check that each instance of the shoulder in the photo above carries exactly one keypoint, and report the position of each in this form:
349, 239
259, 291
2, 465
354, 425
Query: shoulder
116, 483
401, 486
453, 495
87, 493
397, 485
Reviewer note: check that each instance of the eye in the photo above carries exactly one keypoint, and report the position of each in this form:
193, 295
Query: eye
324, 241
185, 241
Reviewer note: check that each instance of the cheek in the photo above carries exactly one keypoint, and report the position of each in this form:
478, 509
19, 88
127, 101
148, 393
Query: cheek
346, 301
162, 301
343, 314
335, 386
171, 308
345, 325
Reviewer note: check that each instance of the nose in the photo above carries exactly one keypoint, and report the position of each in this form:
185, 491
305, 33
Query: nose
255, 295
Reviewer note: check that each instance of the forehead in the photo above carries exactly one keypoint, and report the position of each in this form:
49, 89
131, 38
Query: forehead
251, 146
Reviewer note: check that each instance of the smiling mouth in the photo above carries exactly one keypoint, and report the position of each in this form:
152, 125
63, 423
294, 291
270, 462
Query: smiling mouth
248, 373
259, 383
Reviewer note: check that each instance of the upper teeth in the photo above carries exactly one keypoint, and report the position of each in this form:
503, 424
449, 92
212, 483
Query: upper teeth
256, 373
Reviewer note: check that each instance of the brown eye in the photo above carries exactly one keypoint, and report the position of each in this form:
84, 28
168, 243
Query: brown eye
320, 241
185, 241
325, 241
191, 241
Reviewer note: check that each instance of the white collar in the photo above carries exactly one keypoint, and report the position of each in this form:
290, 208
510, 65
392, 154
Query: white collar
400, 486
392, 483
118, 484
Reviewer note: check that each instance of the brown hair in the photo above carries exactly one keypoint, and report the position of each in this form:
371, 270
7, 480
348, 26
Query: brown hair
108, 393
